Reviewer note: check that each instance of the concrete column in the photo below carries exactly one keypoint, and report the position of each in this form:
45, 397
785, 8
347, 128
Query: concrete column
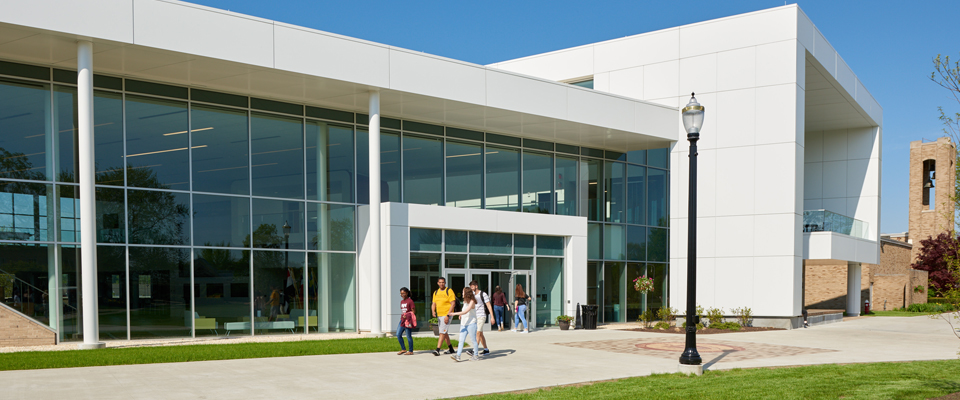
853, 289
376, 319
88, 205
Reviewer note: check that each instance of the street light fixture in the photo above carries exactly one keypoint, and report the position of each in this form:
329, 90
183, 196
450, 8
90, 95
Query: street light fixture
692, 121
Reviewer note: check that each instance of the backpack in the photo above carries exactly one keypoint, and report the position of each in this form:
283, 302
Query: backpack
456, 305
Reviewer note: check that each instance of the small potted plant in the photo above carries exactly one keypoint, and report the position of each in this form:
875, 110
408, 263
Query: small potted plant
564, 322
435, 325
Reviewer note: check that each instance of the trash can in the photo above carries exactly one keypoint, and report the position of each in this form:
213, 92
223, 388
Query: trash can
589, 313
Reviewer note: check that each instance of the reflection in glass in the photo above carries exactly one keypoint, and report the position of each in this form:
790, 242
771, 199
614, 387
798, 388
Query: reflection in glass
456, 241
657, 244
25, 281
333, 291
220, 152
635, 195
593, 241
331, 227
422, 170
659, 297
389, 167
657, 197
549, 245
278, 287
270, 217
613, 191
330, 169
549, 290
111, 291
108, 140
64, 128
111, 218
489, 262
592, 174
635, 304
523, 263
464, 175
567, 186
636, 243
503, 179
26, 212
425, 239
537, 183
69, 207
614, 240
26, 145
594, 278
221, 221
160, 293
222, 291
658, 157
523, 244
614, 296
455, 261
159, 217
69, 290
276, 156
486, 242
424, 273
156, 143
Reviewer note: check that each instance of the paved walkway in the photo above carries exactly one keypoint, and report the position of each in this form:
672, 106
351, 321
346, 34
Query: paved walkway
542, 358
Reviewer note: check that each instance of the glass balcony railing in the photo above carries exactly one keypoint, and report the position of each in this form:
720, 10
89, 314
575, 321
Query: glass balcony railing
828, 221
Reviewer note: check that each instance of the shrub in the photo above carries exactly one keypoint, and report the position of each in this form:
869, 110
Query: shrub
714, 316
930, 307
434, 321
564, 318
667, 315
662, 325
730, 326
744, 316
646, 318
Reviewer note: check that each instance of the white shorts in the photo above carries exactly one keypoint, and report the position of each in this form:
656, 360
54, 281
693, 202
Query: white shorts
443, 325
481, 319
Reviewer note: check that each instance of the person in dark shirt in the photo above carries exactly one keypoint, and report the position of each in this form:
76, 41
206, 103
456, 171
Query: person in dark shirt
499, 304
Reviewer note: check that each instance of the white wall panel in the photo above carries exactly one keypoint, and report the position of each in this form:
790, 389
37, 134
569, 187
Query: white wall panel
857, 178
710, 131
706, 183
738, 31
736, 118
735, 184
111, 19
835, 179
737, 69
186, 28
774, 180
776, 113
706, 283
813, 146
862, 143
846, 77
835, 145
734, 281
824, 53
431, 76
777, 63
649, 48
512, 92
775, 235
774, 277
813, 182
661, 80
588, 106
738, 236
805, 31
656, 121
836, 204
626, 82
698, 74
308, 52
556, 66
706, 237
601, 82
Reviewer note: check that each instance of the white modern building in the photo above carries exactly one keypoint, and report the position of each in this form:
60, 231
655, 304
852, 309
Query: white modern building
217, 169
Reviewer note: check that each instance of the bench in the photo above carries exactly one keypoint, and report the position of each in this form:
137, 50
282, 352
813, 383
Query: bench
245, 326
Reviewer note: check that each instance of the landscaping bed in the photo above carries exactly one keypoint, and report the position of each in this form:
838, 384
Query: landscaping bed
705, 331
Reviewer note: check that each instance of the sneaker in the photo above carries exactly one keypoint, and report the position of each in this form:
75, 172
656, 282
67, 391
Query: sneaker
455, 358
485, 351
525, 331
469, 352
474, 358
449, 352
436, 352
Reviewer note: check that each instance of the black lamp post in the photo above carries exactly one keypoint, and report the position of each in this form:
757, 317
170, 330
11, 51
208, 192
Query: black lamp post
692, 121
286, 244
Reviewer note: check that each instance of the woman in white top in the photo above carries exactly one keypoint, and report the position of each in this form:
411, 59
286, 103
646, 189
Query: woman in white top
468, 323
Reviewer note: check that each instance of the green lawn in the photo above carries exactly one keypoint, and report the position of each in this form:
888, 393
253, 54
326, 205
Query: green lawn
914, 380
200, 352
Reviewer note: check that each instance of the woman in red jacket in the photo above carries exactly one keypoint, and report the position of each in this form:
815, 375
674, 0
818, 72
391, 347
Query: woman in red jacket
408, 320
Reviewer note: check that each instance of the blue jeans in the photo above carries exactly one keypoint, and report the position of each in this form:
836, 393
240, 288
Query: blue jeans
400, 330
470, 330
522, 315
497, 316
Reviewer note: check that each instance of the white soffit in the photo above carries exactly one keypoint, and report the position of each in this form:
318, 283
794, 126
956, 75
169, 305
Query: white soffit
210, 49
827, 105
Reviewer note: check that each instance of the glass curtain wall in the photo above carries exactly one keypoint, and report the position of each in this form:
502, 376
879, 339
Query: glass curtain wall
200, 195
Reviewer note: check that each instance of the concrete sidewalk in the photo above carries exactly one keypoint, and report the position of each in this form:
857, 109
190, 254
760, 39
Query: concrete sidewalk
518, 361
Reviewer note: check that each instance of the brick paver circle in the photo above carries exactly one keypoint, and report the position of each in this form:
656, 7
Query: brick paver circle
680, 346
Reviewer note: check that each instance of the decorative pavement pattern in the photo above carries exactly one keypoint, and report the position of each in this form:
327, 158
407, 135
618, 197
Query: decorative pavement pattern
710, 350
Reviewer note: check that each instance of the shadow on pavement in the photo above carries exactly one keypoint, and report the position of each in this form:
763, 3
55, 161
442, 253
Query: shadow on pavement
708, 364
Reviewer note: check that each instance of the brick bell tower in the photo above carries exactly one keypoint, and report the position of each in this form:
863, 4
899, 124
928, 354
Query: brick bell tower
932, 180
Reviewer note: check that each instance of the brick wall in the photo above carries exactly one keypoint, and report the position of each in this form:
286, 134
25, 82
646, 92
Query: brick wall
19, 330
927, 221
825, 284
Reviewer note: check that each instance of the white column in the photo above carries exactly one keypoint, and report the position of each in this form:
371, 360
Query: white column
376, 319
853, 289
88, 210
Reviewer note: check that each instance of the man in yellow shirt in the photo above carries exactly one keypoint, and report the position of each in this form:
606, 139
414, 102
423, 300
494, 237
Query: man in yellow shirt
443, 300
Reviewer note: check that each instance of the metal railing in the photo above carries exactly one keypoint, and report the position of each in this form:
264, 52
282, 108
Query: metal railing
29, 299
828, 221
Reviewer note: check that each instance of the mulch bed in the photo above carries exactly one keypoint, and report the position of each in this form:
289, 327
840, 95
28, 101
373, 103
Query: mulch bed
705, 331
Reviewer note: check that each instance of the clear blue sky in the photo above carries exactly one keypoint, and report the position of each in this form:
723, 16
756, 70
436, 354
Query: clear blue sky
888, 44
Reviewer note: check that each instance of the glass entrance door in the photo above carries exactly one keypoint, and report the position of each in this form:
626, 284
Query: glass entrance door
422, 286
526, 281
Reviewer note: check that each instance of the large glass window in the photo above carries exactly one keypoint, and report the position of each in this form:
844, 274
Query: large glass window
636, 243
425, 239
592, 195
221, 221
657, 244
25, 152
157, 143
503, 179
636, 202
567, 186
68, 204
160, 293
111, 216
594, 248
614, 294
464, 175
220, 150
278, 224
537, 183
549, 245
657, 197
613, 191
331, 227
489, 262
422, 170
635, 299
112, 291
276, 156
486, 242
389, 167
614, 240
330, 163
108, 137
549, 302
25, 280
222, 291
333, 291
455, 241
159, 217
278, 278
26, 211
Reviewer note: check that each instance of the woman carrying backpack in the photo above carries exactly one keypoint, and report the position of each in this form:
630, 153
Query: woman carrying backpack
499, 303
520, 309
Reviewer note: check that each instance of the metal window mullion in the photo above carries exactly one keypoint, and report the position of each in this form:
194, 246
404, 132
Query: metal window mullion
250, 290
126, 252
304, 220
193, 295
403, 174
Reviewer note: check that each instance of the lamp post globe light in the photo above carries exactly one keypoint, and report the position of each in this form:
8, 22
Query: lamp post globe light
692, 121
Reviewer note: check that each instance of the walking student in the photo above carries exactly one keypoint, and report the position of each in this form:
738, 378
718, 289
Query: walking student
499, 303
483, 307
443, 300
520, 309
468, 324
408, 320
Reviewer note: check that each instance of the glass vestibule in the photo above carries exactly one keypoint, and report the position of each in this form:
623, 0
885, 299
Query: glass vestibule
610, 286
